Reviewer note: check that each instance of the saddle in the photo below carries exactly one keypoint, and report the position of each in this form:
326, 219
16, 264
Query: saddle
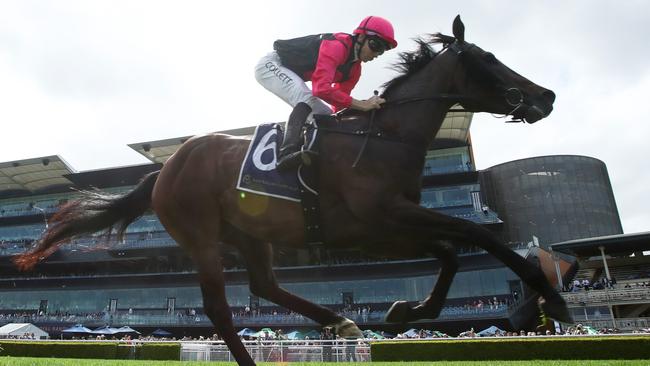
258, 174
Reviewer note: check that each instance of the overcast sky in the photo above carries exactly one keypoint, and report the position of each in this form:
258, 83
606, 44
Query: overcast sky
82, 79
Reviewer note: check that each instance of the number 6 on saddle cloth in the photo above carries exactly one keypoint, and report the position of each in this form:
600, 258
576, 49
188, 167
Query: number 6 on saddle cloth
258, 175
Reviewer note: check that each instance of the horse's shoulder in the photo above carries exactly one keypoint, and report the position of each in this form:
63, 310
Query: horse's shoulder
220, 136
215, 140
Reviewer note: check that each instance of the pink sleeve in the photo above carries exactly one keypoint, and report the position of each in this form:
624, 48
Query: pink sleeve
332, 54
347, 86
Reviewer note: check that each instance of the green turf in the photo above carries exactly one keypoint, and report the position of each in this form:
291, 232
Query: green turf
24, 361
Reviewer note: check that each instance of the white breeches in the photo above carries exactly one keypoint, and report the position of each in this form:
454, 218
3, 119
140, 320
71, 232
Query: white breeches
286, 84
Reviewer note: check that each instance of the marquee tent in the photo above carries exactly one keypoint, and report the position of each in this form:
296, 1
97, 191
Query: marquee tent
161, 333
12, 330
264, 333
489, 332
295, 335
246, 332
126, 330
105, 330
77, 329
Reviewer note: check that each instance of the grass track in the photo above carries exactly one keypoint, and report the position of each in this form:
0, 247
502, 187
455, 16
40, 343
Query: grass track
25, 361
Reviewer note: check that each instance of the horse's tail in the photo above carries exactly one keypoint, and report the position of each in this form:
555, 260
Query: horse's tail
93, 212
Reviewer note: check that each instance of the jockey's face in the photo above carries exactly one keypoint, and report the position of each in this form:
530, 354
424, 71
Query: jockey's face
367, 53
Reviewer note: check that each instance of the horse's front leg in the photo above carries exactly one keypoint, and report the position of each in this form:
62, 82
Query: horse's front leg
427, 225
402, 312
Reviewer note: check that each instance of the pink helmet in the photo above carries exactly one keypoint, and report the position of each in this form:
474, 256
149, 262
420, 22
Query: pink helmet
372, 25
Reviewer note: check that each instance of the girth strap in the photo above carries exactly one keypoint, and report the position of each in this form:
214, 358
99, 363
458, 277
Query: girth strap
308, 185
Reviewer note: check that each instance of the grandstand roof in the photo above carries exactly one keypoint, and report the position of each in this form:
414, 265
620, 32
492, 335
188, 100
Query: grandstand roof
454, 129
612, 244
112, 177
45, 174
159, 151
33, 175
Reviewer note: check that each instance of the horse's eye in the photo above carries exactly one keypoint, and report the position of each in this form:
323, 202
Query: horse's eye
489, 57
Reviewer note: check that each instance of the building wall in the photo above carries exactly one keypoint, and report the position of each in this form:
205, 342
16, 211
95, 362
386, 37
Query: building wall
554, 198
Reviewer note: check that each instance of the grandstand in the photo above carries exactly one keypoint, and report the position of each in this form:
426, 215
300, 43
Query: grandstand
146, 281
612, 288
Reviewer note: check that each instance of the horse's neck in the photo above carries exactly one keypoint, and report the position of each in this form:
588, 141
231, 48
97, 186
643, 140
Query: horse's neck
420, 120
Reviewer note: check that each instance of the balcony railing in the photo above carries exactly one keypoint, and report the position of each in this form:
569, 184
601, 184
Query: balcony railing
624, 324
608, 296
373, 317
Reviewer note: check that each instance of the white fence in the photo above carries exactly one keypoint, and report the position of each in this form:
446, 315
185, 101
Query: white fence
281, 351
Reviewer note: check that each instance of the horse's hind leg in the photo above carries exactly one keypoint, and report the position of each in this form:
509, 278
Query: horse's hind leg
200, 238
215, 305
259, 258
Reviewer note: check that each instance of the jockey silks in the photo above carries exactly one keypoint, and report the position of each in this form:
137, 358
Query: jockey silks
301, 54
325, 59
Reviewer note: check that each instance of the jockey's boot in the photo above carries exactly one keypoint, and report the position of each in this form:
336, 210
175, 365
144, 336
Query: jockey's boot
289, 156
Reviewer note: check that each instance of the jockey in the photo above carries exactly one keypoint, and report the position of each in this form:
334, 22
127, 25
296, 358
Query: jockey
332, 61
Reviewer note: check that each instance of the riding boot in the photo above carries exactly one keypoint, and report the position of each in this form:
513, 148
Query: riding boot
289, 156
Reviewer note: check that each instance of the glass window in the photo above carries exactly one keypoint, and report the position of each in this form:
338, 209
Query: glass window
448, 196
466, 284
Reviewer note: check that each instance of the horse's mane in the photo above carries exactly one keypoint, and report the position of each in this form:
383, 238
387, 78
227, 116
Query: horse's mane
414, 61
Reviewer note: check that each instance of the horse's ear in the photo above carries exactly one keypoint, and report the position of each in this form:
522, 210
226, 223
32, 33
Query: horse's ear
459, 29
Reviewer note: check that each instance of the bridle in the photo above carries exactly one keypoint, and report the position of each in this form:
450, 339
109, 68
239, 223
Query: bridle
513, 96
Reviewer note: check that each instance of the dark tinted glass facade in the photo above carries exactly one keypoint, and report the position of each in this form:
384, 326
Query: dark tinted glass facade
553, 198
469, 284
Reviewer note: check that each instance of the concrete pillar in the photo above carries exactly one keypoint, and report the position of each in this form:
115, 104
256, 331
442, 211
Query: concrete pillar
602, 254
558, 273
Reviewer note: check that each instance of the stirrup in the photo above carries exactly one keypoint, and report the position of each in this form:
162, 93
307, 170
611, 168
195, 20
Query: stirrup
289, 162
308, 157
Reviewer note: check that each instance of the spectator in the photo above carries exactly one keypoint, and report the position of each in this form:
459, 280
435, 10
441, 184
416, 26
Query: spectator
328, 337
350, 351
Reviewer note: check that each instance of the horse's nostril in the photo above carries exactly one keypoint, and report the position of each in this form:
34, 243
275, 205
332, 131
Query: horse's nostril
549, 96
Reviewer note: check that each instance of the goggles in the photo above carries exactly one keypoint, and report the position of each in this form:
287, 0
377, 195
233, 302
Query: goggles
377, 45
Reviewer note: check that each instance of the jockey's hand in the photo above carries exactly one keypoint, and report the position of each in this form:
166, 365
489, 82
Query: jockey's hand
369, 104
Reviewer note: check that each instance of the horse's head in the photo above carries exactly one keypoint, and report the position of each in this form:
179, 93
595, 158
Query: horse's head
487, 85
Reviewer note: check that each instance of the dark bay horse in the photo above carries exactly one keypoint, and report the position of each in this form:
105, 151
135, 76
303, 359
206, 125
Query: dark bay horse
374, 206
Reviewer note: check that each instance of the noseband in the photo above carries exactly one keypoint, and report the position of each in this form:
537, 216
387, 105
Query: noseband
515, 98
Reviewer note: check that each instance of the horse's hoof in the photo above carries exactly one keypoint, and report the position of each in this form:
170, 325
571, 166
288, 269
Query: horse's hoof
398, 312
346, 328
556, 309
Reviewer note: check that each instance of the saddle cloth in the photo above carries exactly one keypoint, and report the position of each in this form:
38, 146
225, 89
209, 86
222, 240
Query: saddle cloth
258, 174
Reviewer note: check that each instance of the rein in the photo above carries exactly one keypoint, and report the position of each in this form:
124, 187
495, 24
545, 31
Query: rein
443, 96
370, 132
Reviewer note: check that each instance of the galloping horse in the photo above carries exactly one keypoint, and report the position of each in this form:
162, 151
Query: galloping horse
373, 205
